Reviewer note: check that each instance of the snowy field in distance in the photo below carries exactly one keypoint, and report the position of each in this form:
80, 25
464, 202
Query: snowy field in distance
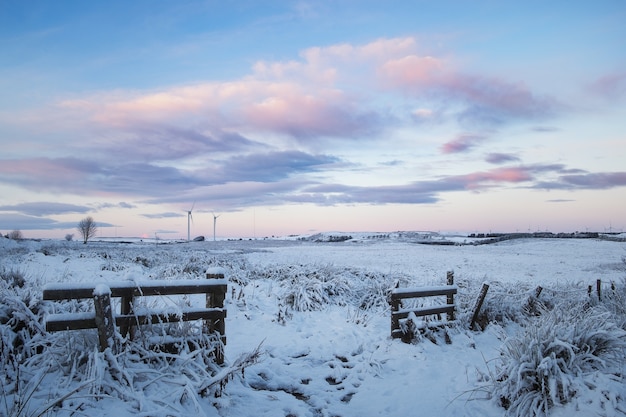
338, 360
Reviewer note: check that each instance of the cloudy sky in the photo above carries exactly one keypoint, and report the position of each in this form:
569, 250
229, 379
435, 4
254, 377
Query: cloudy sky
292, 117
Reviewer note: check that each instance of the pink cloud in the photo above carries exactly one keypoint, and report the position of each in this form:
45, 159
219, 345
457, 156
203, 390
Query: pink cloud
501, 98
287, 109
463, 143
44, 173
162, 106
326, 66
378, 51
289, 97
160, 103
329, 91
387, 47
479, 180
611, 86
484, 98
413, 71
62, 169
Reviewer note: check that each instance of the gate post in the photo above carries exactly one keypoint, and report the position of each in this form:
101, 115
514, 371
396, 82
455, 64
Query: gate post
216, 300
395, 303
104, 317
479, 304
450, 296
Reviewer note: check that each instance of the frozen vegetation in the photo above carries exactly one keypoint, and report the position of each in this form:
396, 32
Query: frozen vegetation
308, 330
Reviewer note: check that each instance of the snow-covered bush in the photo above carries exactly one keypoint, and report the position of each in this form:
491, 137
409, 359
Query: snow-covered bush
508, 302
548, 362
12, 278
22, 337
308, 288
312, 287
190, 264
21, 313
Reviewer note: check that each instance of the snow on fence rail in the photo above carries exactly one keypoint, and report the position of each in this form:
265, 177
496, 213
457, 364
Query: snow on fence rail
103, 318
398, 294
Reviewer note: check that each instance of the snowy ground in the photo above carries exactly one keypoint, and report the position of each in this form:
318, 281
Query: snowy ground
336, 358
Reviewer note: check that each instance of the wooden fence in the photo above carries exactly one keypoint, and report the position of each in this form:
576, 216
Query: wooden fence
398, 294
104, 319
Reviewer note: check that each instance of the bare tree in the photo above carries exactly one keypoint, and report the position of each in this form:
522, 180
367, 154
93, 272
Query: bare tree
87, 228
16, 235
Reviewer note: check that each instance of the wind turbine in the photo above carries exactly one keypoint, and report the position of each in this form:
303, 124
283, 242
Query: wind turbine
214, 223
189, 220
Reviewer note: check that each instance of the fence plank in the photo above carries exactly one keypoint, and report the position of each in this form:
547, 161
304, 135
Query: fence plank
186, 315
82, 321
136, 288
402, 293
422, 311
74, 321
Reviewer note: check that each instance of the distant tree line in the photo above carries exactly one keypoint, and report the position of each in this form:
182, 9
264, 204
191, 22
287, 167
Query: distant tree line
578, 235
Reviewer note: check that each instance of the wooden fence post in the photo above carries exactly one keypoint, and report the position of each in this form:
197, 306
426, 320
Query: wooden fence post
216, 300
599, 289
126, 308
395, 307
450, 297
479, 304
104, 317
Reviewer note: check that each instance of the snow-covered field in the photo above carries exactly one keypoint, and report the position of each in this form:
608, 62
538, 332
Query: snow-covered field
317, 311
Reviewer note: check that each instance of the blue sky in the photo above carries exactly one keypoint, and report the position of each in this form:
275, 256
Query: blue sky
296, 117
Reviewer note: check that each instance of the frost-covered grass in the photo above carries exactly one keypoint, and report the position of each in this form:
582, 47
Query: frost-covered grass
308, 333
313, 287
178, 360
30, 357
557, 356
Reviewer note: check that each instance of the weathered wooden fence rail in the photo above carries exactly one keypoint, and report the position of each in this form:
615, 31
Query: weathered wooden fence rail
104, 319
398, 294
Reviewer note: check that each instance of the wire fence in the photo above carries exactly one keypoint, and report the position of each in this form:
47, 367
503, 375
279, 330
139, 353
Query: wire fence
510, 304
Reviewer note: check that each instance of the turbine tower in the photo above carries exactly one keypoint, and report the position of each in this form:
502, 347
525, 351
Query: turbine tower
214, 223
189, 220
